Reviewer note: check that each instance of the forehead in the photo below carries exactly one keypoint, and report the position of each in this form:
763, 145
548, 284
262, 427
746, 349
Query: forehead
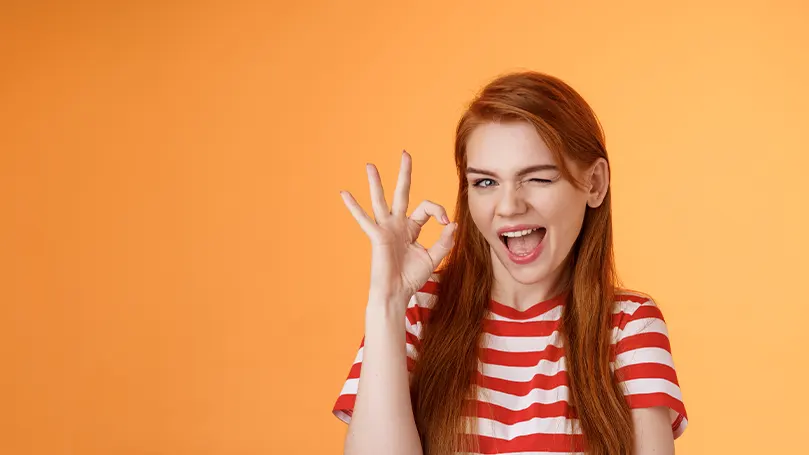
506, 146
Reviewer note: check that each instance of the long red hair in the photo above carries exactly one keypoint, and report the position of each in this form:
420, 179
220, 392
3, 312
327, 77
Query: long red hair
443, 387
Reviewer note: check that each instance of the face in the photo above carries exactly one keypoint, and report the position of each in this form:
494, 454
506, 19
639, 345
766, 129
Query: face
529, 214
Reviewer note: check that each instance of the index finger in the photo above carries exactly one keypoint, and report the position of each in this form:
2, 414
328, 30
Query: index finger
401, 196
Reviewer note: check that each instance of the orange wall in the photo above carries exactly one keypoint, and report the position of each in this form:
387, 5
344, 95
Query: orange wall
179, 275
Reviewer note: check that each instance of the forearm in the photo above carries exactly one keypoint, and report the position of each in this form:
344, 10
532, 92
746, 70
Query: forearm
382, 421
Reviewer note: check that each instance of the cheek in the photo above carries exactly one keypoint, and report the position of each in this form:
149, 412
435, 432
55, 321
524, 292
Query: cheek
565, 213
481, 211
571, 220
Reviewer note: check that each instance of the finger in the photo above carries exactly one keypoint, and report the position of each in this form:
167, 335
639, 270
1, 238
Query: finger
427, 209
366, 223
401, 196
378, 203
443, 245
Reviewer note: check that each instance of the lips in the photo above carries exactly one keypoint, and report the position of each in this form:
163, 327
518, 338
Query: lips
523, 243
523, 229
517, 227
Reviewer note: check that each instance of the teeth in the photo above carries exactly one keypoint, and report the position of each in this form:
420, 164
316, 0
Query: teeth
519, 233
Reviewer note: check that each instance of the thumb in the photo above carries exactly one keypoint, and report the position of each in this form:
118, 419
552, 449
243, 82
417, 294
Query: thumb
444, 243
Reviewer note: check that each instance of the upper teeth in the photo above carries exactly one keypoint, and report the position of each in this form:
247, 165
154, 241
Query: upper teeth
519, 233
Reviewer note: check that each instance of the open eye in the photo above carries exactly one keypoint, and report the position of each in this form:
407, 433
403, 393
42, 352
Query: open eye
480, 183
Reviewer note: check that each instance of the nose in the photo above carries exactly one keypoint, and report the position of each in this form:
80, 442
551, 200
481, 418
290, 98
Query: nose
511, 202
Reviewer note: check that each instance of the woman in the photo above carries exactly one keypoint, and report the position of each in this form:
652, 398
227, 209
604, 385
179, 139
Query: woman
522, 340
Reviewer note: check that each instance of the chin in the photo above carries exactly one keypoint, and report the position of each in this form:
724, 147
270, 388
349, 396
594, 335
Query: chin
528, 274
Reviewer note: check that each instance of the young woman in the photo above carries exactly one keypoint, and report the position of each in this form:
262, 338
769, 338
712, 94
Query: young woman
522, 341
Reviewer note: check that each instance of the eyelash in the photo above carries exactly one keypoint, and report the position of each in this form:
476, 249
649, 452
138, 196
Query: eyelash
477, 182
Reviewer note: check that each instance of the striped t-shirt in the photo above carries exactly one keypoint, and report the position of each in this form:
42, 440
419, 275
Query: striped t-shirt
522, 402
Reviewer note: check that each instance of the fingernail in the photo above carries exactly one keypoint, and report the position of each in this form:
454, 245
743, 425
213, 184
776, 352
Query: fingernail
445, 219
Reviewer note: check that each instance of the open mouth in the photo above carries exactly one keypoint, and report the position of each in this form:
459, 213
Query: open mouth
522, 243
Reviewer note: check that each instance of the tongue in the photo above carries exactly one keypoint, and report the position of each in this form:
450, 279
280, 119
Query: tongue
525, 244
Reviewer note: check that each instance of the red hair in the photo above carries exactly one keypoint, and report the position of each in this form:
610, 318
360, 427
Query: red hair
443, 380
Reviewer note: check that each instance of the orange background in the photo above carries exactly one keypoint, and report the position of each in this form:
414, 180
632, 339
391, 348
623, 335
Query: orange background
179, 275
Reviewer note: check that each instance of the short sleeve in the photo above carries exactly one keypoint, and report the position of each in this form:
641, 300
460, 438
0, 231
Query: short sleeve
643, 361
416, 315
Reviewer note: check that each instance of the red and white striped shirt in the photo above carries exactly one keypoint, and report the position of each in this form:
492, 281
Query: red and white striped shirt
522, 403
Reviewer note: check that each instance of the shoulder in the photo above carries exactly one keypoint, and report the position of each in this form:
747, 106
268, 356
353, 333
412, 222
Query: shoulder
632, 306
629, 302
422, 302
430, 288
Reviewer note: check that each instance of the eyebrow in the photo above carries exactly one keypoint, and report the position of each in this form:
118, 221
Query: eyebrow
520, 173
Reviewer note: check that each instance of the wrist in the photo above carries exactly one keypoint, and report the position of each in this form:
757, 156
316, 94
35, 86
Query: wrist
379, 294
382, 303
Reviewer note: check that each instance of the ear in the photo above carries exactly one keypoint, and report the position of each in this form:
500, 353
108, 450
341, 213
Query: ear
598, 182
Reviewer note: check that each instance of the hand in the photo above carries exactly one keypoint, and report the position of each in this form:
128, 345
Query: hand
399, 264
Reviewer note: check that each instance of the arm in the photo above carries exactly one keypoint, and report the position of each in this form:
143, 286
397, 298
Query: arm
645, 367
382, 414
382, 420
653, 434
